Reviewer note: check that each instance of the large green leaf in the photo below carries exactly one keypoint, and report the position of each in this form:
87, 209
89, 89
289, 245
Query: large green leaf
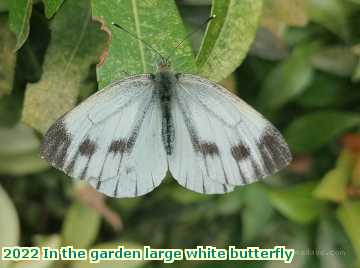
19, 20
288, 79
157, 22
349, 216
296, 203
51, 7
228, 37
7, 58
314, 130
71, 52
81, 226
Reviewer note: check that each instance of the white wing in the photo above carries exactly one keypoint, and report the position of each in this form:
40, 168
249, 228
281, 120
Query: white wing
220, 141
112, 140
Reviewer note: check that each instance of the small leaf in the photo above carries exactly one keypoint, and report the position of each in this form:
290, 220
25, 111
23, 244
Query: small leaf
228, 37
305, 135
71, 52
333, 185
7, 58
349, 216
296, 203
51, 7
17, 140
113, 263
331, 14
288, 79
337, 60
157, 22
9, 223
19, 20
81, 226
22, 164
19, 151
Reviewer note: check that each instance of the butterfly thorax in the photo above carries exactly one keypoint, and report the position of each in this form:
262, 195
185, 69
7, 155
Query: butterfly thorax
165, 84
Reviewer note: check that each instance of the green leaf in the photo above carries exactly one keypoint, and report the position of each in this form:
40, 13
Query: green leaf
17, 140
19, 151
22, 164
356, 75
331, 14
349, 216
228, 37
333, 185
51, 7
19, 20
71, 52
81, 226
296, 203
288, 79
7, 58
4, 5
337, 60
305, 134
9, 223
325, 90
112, 263
157, 22
256, 215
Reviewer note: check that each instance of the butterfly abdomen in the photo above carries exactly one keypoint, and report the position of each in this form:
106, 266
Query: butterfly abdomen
165, 82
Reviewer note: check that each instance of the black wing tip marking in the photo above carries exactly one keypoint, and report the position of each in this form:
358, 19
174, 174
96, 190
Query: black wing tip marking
55, 144
274, 150
274, 154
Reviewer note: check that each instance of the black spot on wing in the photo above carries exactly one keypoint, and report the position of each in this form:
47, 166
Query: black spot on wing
208, 148
56, 143
87, 147
118, 146
240, 152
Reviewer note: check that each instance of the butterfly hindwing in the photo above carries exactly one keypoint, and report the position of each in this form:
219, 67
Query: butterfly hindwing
220, 141
112, 140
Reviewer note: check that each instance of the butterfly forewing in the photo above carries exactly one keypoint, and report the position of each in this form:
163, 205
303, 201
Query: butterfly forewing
220, 141
112, 140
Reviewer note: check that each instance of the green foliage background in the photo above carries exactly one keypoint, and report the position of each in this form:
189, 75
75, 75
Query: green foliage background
298, 62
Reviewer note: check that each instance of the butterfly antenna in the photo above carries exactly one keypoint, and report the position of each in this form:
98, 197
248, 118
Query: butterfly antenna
194, 31
136, 37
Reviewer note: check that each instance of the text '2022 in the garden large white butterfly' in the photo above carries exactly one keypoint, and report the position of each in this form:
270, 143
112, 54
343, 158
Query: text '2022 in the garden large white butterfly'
123, 139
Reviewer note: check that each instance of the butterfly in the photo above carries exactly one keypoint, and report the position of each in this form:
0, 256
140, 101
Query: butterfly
126, 137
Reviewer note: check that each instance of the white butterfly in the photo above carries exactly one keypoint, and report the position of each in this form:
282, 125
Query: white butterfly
124, 139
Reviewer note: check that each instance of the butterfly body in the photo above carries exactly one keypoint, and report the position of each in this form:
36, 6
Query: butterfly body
164, 84
124, 139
